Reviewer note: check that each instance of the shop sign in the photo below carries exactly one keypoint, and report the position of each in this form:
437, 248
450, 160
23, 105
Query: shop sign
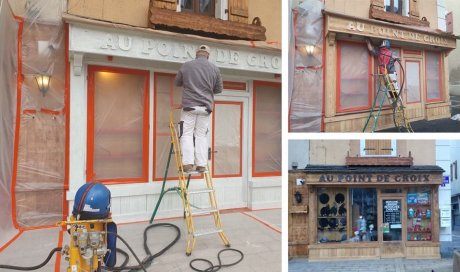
445, 181
374, 178
365, 28
169, 49
392, 213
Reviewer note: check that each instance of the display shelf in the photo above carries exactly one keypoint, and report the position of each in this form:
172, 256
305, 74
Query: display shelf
332, 217
423, 231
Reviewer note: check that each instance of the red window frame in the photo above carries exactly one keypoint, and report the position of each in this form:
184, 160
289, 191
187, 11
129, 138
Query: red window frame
339, 108
255, 85
441, 75
419, 79
90, 175
240, 174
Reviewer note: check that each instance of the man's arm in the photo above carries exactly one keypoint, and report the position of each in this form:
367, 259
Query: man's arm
371, 48
219, 85
178, 81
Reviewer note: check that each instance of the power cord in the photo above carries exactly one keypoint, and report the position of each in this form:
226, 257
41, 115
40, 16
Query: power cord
212, 267
28, 268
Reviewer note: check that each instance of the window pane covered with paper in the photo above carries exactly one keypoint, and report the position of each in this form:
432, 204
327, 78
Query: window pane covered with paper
167, 97
267, 129
354, 76
413, 81
433, 77
118, 125
227, 124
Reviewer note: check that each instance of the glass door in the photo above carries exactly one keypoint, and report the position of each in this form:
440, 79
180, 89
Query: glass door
391, 227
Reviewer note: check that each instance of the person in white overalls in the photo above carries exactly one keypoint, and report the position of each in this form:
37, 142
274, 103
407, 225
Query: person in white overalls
201, 80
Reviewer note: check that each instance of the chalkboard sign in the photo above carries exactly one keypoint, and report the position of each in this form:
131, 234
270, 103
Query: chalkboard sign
392, 211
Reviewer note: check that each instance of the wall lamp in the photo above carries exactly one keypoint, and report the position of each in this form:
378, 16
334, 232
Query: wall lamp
43, 83
310, 49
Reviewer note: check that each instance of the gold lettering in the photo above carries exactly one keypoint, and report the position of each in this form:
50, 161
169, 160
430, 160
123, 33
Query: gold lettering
360, 27
351, 26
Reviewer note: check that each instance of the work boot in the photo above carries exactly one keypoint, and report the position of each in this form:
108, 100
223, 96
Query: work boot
188, 167
200, 168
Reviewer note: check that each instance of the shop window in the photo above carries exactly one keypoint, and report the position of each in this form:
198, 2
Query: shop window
400, 7
413, 82
419, 213
363, 215
167, 97
433, 76
354, 83
332, 215
117, 124
266, 143
202, 7
378, 147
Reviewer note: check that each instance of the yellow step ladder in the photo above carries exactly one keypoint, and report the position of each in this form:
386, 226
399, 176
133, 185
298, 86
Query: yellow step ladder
190, 210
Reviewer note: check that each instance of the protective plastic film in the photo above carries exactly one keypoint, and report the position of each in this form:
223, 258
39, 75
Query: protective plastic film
433, 78
413, 81
267, 129
306, 97
118, 125
354, 79
39, 186
168, 96
227, 138
8, 81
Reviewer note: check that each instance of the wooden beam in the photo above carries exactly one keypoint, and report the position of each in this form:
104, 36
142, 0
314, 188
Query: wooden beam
204, 26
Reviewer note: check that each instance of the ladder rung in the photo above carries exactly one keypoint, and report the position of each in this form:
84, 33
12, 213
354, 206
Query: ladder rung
195, 173
206, 232
200, 191
204, 211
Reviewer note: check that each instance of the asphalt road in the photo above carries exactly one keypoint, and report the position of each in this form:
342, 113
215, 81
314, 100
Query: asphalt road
441, 125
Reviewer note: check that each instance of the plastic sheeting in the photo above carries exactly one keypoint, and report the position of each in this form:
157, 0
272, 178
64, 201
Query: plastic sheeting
39, 189
306, 99
433, 78
267, 130
413, 81
8, 81
118, 125
227, 139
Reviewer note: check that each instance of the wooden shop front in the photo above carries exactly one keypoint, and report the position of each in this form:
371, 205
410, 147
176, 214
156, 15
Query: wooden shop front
361, 212
351, 72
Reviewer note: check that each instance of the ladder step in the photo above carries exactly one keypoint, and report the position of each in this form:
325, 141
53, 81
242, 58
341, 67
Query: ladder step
204, 211
195, 173
200, 191
206, 232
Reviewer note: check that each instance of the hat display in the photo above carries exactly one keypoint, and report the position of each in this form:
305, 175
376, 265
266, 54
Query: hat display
323, 198
339, 198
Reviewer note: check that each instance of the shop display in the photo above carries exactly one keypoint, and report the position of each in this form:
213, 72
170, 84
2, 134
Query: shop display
332, 216
419, 225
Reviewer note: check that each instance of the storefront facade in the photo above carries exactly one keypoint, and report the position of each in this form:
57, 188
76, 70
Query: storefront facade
374, 206
335, 79
121, 92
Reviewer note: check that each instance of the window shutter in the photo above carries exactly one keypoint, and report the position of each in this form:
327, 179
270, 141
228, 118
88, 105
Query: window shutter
413, 9
378, 147
165, 4
238, 11
378, 4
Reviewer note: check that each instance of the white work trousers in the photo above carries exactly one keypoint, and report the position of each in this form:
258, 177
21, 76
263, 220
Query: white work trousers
394, 80
196, 124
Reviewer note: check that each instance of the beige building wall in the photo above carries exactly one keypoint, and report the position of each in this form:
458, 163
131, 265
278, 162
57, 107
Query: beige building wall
454, 56
125, 12
334, 152
360, 8
269, 13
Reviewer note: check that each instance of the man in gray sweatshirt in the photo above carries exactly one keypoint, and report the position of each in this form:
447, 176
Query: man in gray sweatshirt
201, 81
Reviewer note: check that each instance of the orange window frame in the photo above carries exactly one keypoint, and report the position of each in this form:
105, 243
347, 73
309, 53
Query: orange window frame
339, 108
441, 74
419, 79
241, 139
90, 175
234, 86
255, 85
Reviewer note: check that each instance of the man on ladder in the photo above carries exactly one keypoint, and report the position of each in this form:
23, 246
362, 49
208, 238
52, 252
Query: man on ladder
386, 59
201, 80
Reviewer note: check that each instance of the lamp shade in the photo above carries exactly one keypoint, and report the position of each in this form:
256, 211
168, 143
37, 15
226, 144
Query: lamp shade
43, 83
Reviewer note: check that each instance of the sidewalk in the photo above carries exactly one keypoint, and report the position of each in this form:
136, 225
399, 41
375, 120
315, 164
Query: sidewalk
383, 265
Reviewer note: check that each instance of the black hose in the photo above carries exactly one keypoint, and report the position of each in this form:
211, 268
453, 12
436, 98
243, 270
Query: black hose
212, 267
28, 268
403, 72
150, 257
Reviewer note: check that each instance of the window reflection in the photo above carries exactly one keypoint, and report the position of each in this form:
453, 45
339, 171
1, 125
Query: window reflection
186, 4
204, 6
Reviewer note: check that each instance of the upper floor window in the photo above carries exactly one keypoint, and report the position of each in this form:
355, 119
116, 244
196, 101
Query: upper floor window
400, 7
202, 7
378, 148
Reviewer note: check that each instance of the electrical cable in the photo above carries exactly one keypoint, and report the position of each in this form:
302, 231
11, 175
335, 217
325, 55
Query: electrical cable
212, 267
28, 268
147, 261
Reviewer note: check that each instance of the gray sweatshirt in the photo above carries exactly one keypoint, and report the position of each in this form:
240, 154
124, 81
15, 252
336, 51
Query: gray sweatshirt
201, 79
